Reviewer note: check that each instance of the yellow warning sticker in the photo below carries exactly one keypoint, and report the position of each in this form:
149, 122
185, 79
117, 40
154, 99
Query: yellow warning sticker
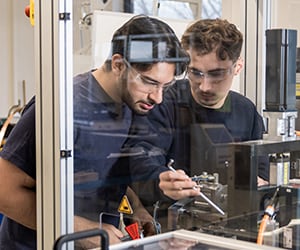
125, 206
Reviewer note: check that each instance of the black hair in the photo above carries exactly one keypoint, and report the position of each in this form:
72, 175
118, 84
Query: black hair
144, 40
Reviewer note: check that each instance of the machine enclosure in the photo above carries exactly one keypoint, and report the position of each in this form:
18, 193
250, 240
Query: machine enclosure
281, 69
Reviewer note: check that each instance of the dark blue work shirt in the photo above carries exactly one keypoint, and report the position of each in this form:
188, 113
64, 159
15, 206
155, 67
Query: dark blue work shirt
101, 127
19, 149
165, 134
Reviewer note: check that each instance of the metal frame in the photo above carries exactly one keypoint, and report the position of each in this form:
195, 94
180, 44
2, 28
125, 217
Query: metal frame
54, 122
192, 238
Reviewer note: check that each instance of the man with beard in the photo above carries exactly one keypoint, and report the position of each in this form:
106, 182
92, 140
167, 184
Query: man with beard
145, 58
205, 97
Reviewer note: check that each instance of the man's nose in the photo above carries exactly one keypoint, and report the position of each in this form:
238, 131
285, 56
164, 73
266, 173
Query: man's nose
157, 95
205, 84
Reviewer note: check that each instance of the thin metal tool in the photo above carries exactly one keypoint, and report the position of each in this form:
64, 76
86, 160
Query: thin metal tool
169, 165
211, 203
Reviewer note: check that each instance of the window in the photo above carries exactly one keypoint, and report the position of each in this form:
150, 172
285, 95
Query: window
179, 9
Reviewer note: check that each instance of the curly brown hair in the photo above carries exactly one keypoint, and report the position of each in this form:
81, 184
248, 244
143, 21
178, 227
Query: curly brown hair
208, 35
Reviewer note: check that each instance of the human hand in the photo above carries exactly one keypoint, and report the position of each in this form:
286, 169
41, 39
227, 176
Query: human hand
114, 234
82, 224
144, 220
177, 185
176, 244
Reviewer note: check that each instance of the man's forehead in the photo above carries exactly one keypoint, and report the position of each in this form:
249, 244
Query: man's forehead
209, 60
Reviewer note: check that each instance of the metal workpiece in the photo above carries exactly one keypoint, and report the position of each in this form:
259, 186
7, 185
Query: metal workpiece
202, 195
242, 200
200, 210
280, 125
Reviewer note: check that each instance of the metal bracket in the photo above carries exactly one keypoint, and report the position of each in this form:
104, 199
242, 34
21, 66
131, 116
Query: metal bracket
65, 16
65, 153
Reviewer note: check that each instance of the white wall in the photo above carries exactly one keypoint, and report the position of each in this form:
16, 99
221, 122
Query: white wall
5, 55
16, 53
286, 16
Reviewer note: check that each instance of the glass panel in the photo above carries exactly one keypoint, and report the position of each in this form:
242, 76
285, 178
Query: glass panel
167, 9
103, 115
211, 8
115, 149
180, 9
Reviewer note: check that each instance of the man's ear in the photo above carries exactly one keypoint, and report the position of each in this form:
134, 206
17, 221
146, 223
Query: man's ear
117, 64
239, 66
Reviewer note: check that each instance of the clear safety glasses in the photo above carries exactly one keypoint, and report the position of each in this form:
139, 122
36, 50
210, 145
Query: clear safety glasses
149, 85
213, 76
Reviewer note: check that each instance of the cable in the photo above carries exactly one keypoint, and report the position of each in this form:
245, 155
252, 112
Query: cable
268, 214
262, 227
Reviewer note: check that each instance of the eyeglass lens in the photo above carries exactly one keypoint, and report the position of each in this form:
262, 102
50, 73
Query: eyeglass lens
151, 86
213, 75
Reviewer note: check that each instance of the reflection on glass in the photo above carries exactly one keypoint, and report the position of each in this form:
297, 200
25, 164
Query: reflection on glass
180, 9
143, 59
166, 9
231, 188
211, 8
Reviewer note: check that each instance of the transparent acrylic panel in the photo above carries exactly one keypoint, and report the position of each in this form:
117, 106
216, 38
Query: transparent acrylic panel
102, 119
168, 9
179, 9
210, 153
211, 8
